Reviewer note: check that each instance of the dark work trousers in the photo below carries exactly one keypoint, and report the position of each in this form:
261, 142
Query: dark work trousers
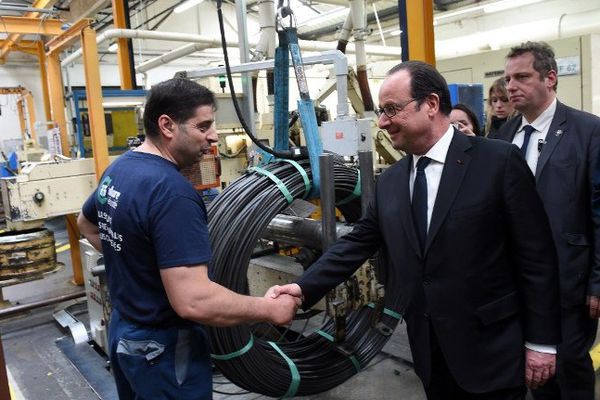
575, 375
159, 363
443, 386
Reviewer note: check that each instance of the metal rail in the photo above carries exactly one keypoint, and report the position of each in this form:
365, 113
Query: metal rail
41, 303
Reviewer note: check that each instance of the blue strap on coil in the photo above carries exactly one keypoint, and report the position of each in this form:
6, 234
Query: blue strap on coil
295, 383
288, 45
240, 352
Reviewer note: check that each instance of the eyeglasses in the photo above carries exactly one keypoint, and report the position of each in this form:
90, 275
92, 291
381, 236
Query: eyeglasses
390, 110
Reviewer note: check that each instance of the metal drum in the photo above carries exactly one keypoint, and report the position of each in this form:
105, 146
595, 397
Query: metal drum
2, 216
26, 254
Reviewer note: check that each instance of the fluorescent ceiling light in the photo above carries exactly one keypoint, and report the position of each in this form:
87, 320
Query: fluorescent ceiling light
456, 13
112, 48
129, 103
187, 5
395, 32
507, 4
489, 8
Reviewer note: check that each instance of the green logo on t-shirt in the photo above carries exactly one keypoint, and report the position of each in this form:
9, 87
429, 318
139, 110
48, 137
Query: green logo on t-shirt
103, 189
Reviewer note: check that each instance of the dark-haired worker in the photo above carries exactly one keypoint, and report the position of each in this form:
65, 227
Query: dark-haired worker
151, 226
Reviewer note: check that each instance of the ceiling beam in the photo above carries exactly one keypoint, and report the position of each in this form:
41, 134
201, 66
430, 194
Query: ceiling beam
14, 38
25, 46
68, 37
30, 25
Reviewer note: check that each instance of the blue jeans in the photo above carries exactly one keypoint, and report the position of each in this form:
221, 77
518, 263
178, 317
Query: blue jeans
159, 363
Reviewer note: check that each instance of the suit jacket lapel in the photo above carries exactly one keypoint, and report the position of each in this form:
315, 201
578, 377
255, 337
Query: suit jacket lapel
405, 166
455, 167
555, 133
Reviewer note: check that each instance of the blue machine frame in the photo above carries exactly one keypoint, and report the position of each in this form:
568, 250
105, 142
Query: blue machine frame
470, 94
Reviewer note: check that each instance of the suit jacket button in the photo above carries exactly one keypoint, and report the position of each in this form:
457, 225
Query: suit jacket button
426, 281
426, 315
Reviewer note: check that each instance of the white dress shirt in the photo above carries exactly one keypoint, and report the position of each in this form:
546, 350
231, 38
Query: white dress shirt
433, 172
538, 137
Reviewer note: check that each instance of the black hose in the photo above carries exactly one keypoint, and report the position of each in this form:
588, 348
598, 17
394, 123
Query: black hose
238, 218
288, 154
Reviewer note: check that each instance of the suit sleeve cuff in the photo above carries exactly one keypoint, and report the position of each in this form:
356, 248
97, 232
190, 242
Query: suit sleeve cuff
541, 348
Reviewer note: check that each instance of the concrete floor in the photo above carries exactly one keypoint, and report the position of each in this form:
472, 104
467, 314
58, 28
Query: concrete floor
39, 369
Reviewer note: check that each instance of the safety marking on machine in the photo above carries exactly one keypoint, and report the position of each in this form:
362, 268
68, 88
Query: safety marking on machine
595, 354
60, 247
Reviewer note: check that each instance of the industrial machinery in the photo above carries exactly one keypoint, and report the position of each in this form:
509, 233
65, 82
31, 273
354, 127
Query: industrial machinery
96, 292
39, 191
46, 189
256, 223
248, 234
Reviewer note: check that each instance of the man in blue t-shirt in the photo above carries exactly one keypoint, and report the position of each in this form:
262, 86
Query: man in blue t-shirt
151, 226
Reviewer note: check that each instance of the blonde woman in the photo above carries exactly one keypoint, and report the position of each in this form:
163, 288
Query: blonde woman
499, 109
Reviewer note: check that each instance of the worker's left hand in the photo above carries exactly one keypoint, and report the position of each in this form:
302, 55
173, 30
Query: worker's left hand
539, 367
594, 303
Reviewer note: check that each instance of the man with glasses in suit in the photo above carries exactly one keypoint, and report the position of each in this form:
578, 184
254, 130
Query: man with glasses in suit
460, 222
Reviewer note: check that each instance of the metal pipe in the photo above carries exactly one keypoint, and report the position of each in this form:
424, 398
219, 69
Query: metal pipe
41, 303
170, 56
248, 99
265, 48
301, 232
336, 57
212, 42
359, 21
327, 193
344, 33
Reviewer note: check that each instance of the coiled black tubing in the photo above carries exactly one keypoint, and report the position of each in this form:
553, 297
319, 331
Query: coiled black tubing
237, 219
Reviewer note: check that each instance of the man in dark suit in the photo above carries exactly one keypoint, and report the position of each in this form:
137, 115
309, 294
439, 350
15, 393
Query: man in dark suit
561, 149
473, 249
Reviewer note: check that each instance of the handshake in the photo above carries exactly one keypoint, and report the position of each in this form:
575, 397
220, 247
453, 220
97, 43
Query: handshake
282, 303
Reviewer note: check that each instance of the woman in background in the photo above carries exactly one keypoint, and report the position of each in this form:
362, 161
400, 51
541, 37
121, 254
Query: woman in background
499, 109
465, 120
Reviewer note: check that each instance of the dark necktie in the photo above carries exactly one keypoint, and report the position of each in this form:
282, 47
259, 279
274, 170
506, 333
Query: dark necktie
419, 201
528, 129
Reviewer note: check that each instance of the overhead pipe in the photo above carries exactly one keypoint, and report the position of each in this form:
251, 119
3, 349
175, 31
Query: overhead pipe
212, 42
265, 49
145, 34
359, 22
170, 56
335, 57
344, 33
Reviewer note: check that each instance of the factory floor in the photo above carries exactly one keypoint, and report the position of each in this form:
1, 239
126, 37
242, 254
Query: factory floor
43, 362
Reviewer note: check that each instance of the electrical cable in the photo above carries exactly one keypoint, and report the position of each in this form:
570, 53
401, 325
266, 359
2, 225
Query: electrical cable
238, 217
290, 154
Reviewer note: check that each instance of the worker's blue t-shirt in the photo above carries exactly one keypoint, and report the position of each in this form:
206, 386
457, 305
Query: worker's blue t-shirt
150, 217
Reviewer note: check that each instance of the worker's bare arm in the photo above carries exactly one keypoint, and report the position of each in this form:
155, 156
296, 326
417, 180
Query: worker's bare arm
195, 297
